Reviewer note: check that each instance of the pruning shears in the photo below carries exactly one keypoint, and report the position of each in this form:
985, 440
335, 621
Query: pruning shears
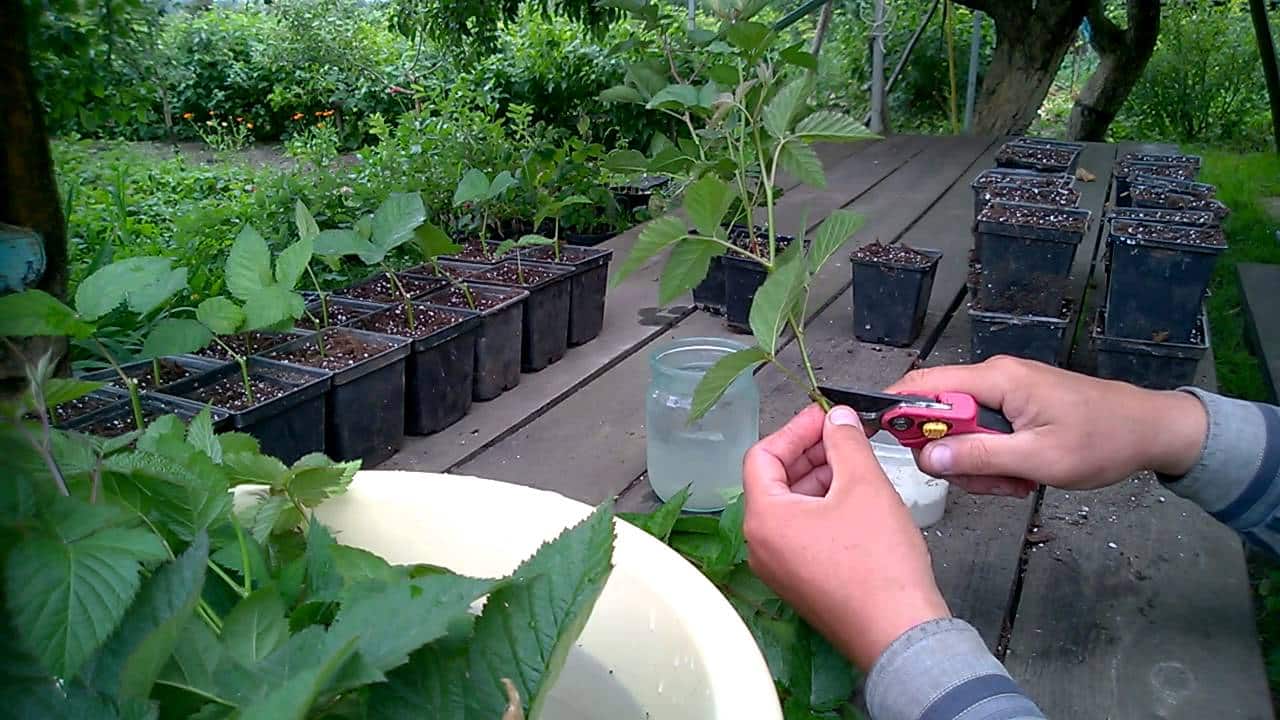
915, 420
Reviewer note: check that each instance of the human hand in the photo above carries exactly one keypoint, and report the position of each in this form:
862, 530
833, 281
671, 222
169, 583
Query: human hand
1070, 431
830, 535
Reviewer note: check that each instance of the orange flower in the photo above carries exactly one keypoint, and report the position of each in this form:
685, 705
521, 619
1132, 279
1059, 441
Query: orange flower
249, 125
319, 113
297, 116
187, 115
239, 119
320, 125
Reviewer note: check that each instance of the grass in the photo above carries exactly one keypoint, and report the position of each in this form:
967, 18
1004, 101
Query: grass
1243, 180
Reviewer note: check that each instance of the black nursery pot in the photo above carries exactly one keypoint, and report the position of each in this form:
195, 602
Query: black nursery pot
587, 239
173, 368
587, 286
287, 426
117, 419
1158, 278
709, 295
1157, 365
1127, 170
498, 339
1035, 337
1023, 268
365, 402
441, 363
890, 299
379, 290
636, 194
342, 312
742, 277
1189, 218
545, 335
1040, 156
1021, 178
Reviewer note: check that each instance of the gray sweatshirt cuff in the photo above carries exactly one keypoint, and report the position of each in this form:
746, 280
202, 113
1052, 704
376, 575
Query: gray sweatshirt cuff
942, 670
1227, 481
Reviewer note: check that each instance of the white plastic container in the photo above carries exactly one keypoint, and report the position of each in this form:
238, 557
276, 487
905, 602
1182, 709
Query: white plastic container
924, 496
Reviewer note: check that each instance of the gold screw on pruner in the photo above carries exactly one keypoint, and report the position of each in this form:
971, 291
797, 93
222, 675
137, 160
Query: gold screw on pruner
934, 429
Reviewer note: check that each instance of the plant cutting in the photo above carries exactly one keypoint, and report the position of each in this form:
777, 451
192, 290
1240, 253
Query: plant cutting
480, 196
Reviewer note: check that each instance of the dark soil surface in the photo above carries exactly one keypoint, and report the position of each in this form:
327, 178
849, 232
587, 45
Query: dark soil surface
475, 251
1207, 205
568, 254
757, 239
894, 254
339, 314
1168, 233
996, 177
1173, 217
446, 270
120, 423
1181, 187
1165, 170
1157, 158
1057, 196
251, 343
517, 275
1033, 216
1046, 157
228, 393
341, 351
81, 406
395, 321
1033, 294
1043, 142
382, 290
171, 371
485, 298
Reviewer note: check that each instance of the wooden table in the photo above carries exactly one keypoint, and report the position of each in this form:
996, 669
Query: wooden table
1121, 603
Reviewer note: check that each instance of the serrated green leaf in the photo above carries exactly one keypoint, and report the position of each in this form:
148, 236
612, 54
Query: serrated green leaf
306, 224
675, 96
622, 94
270, 306
342, 242
315, 478
238, 442
798, 56
248, 267
720, 376
68, 593
395, 220
803, 164
57, 391
265, 517
433, 242
834, 232
473, 187
706, 201
749, 36
202, 668
133, 659
323, 581
111, 287
626, 161
175, 336
833, 678
200, 435
220, 315
501, 182
688, 265
782, 109
776, 298
661, 521
244, 468
292, 698
256, 626
827, 126
190, 495
37, 313
646, 79
656, 236
293, 262
151, 295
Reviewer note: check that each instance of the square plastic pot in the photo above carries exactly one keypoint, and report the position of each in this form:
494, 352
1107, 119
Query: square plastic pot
141, 370
440, 370
342, 312
890, 300
742, 277
545, 334
709, 295
365, 402
1034, 337
153, 406
1007, 158
588, 239
1009, 176
1190, 218
288, 426
498, 339
1157, 365
1126, 171
1024, 269
414, 286
587, 286
1155, 288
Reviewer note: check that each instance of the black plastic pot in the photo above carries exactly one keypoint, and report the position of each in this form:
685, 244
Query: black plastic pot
1181, 187
414, 286
440, 369
587, 239
1190, 218
153, 406
1024, 269
141, 370
709, 294
1007, 156
498, 339
1137, 157
545, 335
1126, 171
288, 426
64, 415
1156, 365
890, 300
365, 402
587, 288
742, 277
1156, 288
1009, 176
636, 194
1034, 337
342, 312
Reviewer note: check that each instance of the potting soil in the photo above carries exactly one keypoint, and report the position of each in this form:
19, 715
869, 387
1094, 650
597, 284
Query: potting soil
341, 350
1168, 233
893, 253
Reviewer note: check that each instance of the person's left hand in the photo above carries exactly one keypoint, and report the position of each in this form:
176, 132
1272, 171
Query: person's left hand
831, 536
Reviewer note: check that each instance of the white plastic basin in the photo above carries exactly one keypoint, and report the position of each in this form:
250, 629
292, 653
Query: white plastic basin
661, 643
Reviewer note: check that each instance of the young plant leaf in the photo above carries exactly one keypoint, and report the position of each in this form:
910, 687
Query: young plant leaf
674, 97
622, 94
433, 242
473, 187
626, 161
395, 220
827, 126
501, 182
341, 242
782, 109
654, 238
248, 267
315, 478
36, 312
200, 435
293, 696
144, 283
776, 298
57, 391
834, 232
307, 227
688, 265
660, 522
803, 163
175, 336
706, 201
293, 262
798, 56
271, 306
220, 315
750, 37
720, 376
256, 626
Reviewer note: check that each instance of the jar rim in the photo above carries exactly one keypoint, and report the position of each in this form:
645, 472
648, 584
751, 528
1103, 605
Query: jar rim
661, 357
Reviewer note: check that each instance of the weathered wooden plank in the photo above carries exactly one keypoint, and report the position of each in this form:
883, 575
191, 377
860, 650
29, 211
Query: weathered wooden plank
1139, 606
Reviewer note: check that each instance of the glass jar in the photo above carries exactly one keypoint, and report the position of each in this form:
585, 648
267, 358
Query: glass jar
707, 455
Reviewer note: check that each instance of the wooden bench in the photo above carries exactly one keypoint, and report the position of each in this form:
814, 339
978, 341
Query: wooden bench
1260, 297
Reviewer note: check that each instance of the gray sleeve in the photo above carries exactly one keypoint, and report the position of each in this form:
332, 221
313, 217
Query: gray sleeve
941, 670
1237, 479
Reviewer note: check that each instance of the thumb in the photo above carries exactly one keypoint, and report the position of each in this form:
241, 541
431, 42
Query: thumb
848, 451
979, 455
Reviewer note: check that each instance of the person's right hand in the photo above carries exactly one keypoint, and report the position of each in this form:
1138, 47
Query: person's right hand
1070, 431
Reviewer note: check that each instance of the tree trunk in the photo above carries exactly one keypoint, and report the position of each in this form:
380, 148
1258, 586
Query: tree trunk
1123, 54
1267, 49
28, 190
824, 24
1031, 40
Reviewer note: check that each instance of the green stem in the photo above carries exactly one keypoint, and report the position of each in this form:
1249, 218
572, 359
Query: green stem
404, 297
129, 385
235, 587
155, 372
244, 557
808, 366
244, 377
324, 296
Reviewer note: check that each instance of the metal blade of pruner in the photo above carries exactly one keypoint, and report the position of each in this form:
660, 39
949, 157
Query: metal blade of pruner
870, 406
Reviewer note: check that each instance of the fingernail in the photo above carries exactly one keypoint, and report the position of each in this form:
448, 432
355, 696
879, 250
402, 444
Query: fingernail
841, 415
938, 457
